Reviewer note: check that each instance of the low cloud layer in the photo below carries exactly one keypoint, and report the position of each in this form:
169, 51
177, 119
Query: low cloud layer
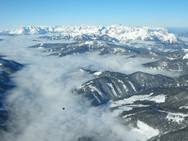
44, 87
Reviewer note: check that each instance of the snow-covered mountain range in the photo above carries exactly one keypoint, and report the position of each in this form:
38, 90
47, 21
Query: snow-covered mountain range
120, 32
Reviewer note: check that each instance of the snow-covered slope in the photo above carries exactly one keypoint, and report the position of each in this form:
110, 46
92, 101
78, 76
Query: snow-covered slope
31, 30
120, 32
186, 56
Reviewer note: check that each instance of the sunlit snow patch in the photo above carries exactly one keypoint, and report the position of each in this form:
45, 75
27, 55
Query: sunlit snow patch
98, 73
145, 131
183, 107
176, 117
157, 99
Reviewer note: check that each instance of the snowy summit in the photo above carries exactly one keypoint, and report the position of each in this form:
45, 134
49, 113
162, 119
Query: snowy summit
119, 32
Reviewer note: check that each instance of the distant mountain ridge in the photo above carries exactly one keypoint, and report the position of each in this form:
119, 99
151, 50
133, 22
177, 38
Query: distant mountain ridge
119, 32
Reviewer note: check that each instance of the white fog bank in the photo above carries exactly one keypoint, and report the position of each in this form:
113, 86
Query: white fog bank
44, 86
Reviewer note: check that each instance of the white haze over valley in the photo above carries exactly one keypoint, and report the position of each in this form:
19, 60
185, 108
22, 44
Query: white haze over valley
45, 85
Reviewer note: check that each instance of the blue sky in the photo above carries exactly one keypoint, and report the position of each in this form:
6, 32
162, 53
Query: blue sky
167, 13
